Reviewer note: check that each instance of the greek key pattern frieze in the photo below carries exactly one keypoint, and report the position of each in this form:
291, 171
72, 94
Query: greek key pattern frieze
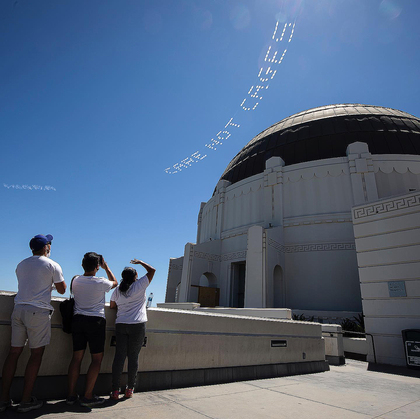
388, 206
220, 258
281, 248
313, 247
207, 256
234, 255
175, 267
320, 247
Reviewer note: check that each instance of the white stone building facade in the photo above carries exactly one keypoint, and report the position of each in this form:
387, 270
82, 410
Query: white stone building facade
282, 234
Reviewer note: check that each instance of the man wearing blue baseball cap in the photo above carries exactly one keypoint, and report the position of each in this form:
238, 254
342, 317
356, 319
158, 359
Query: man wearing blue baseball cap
31, 318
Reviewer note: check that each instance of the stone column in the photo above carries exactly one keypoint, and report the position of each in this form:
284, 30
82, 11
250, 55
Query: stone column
255, 276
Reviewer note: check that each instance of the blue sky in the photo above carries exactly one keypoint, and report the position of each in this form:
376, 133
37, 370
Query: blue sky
99, 97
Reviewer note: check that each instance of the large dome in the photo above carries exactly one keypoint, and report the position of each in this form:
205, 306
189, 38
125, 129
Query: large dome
325, 132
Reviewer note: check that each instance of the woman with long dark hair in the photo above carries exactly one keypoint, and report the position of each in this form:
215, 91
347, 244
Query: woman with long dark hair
129, 298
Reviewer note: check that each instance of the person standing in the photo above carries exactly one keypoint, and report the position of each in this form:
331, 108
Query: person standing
130, 301
89, 325
31, 318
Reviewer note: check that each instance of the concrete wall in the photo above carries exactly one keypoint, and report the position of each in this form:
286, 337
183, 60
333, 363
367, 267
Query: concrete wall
334, 348
357, 346
272, 313
332, 333
387, 236
184, 348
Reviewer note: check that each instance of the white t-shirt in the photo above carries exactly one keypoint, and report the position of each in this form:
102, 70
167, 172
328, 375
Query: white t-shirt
36, 276
89, 295
132, 307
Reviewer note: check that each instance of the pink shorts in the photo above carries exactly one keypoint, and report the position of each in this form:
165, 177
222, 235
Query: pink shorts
30, 323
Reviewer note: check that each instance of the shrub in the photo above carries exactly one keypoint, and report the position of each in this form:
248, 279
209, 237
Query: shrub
302, 318
357, 324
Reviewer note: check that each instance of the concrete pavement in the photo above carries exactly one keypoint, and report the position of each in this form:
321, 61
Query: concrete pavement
347, 391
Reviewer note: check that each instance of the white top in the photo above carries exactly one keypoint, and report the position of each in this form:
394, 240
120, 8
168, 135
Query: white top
89, 295
36, 276
132, 306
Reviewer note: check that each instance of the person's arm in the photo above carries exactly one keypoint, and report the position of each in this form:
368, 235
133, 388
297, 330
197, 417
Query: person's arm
60, 287
150, 270
113, 305
58, 279
109, 273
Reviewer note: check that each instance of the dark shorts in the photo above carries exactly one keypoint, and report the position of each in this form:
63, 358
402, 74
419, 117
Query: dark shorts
88, 329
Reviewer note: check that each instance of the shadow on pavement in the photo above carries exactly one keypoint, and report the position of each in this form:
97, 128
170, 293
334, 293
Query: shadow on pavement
50, 408
391, 369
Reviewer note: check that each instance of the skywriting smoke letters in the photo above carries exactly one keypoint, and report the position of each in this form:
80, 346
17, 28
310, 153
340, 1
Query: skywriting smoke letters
254, 96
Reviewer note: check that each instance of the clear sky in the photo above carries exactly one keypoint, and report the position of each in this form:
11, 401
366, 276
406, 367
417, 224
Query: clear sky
99, 97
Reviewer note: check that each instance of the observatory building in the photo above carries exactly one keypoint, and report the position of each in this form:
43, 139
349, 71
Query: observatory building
288, 223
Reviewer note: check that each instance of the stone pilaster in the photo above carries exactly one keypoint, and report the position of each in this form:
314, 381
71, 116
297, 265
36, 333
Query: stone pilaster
255, 277
219, 200
273, 192
184, 292
362, 174
200, 218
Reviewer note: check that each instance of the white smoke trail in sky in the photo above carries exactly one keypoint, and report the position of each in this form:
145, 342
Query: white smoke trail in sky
30, 187
273, 58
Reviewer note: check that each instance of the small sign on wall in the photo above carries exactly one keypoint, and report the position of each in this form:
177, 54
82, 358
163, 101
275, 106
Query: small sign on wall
413, 353
411, 339
397, 289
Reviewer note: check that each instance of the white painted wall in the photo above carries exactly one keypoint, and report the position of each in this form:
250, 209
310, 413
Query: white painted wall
304, 213
388, 250
356, 345
332, 333
396, 174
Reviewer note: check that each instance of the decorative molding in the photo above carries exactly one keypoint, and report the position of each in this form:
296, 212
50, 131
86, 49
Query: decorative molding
200, 216
273, 177
230, 235
320, 247
235, 255
310, 247
207, 256
319, 172
387, 206
244, 190
220, 258
398, 166
191, 254
280, 247
316, 222
174, 267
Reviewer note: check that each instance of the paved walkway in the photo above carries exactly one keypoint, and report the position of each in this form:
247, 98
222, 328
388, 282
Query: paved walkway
348, 391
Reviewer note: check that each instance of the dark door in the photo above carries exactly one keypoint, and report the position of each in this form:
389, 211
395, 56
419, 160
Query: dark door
238, 284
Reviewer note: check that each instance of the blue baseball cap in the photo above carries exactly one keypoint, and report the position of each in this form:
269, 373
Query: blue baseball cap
39, 241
